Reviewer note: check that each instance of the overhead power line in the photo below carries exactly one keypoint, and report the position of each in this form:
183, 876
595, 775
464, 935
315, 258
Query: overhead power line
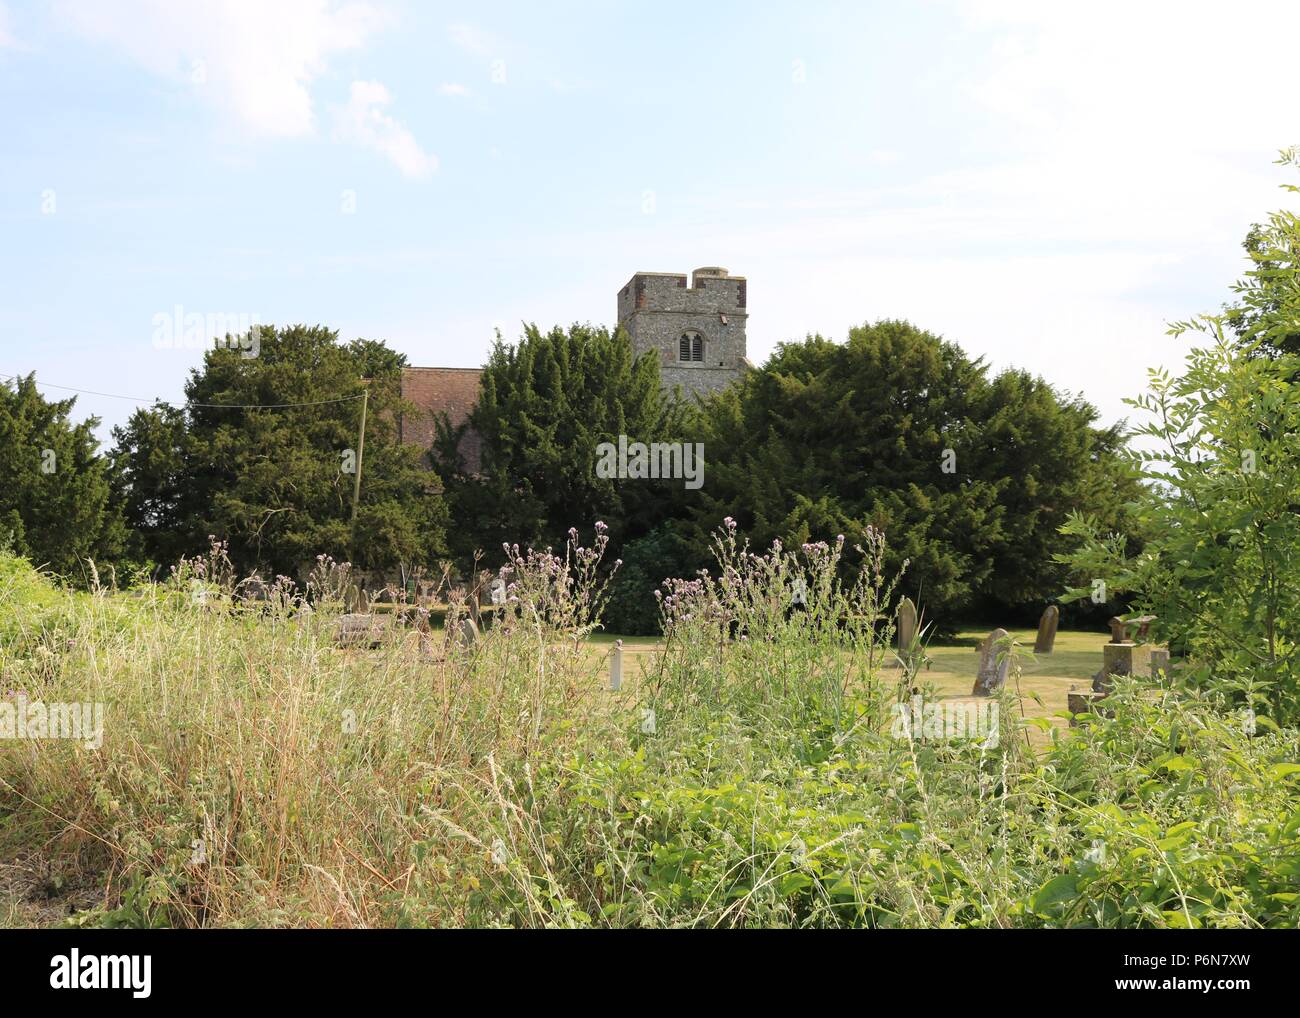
206, 406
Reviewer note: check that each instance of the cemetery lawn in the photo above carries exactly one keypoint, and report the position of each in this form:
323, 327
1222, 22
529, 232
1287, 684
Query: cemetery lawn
1074, 660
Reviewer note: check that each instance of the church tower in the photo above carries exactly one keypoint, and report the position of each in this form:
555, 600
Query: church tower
698, 331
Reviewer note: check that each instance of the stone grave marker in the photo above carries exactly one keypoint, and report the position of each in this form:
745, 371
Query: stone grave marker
992, 672
466, 633
1046, 638
906, 627
616, 667
358, 629
497, 591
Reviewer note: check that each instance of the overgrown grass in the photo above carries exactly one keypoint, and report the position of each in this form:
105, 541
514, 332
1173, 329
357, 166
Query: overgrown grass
253, 774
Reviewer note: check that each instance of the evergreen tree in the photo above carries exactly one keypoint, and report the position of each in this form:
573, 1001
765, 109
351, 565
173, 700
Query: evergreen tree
277, 483
898, 430
55, 505
545, 404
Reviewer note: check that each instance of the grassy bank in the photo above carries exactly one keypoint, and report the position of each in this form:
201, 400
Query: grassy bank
251, 773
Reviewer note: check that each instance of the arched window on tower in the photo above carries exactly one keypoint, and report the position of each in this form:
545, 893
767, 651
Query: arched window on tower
691, 347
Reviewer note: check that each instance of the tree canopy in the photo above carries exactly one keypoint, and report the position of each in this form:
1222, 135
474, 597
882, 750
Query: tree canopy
545, 404
896, 429
55, 505
277, 483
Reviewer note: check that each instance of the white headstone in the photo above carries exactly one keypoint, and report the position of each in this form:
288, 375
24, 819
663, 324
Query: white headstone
616, 668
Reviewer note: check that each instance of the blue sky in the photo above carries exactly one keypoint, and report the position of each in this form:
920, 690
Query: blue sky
1044, 186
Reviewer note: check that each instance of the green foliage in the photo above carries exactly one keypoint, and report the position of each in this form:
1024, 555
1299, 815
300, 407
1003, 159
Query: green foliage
647, 562
501, 785
54, 501
275, 483
1265, 310
832, 438
26, 598
1221, 519
1222, 524
545, 404
771, 790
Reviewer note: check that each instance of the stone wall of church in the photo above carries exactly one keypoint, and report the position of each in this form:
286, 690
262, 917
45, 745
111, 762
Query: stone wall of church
656, 308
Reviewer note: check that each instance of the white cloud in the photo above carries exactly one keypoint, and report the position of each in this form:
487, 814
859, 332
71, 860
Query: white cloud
363, 122
1168, 75
254, 60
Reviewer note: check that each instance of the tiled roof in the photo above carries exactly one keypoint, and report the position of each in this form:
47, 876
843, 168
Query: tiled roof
453, 391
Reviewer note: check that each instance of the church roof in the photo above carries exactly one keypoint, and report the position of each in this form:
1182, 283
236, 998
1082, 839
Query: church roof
434, 391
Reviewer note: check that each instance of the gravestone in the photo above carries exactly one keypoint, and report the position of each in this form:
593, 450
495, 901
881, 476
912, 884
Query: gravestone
1121, 659
799, 594
497, 591
466, 633
906, 627
358, 629
355, 600
992, 672
616, 668
1046, 638
1084, 702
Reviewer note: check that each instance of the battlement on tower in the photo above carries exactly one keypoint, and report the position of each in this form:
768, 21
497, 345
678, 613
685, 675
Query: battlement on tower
695, 324
709, 290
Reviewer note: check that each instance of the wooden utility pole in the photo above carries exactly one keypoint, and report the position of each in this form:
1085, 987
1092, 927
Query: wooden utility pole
356, 484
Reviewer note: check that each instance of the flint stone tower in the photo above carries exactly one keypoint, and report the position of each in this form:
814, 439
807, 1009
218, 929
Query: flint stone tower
698, 331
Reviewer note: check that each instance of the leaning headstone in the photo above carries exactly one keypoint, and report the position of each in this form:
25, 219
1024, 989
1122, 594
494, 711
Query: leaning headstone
906, 626
992, 672
466, 633
616, 668
1046, 638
